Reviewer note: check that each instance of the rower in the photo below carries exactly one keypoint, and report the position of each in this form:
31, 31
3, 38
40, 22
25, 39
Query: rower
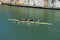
31, 20
22, 19
26, 19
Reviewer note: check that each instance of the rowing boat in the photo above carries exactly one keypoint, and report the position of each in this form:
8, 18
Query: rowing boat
16, 20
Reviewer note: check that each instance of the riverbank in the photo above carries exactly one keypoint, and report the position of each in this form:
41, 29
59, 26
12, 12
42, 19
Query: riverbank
31, 6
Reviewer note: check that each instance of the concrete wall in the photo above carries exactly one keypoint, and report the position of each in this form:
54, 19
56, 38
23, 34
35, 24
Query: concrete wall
25, 2
1, 0
41, 3
5, 1
57, 4
20, 2
46, 3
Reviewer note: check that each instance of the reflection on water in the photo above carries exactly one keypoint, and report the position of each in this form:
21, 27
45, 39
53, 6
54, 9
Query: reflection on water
23, 31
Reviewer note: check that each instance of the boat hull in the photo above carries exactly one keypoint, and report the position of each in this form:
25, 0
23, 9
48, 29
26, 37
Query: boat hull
17, 21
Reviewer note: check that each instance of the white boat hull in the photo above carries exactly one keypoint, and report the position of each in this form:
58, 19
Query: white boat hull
17, 21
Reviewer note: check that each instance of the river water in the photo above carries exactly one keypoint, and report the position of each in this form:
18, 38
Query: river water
23, 31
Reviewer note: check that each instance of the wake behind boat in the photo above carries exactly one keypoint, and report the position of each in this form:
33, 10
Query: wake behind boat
29, 21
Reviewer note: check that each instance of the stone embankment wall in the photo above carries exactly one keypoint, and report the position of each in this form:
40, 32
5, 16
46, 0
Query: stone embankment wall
40, 3
5, 1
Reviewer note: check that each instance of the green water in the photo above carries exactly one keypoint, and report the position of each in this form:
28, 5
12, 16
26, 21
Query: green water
23, 31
